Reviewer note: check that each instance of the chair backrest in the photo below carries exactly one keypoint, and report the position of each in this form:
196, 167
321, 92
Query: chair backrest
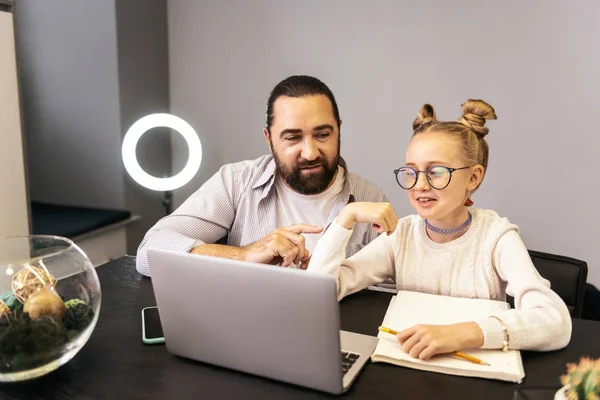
567, 278
591, 303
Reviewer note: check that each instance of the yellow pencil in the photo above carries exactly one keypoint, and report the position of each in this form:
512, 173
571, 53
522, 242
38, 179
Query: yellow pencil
454, 353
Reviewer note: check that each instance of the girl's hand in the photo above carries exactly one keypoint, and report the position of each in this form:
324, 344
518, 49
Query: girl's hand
380, 215
425, 341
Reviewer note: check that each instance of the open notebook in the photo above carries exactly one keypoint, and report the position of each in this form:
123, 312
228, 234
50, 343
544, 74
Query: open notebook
410, 308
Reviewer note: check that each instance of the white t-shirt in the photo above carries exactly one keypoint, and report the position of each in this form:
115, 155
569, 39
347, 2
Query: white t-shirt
295, 208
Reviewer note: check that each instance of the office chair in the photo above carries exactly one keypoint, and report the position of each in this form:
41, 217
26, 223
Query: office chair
567, 278
591, 303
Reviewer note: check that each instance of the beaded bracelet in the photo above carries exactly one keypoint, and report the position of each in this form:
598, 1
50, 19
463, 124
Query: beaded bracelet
504, 333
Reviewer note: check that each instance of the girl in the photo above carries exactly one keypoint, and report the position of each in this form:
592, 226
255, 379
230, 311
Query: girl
447, 248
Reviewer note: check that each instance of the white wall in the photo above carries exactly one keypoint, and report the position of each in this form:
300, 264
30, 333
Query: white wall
13, 193
536, 62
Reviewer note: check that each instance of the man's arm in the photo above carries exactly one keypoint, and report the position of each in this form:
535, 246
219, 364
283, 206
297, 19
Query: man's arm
221, 250
205, 217
283, 246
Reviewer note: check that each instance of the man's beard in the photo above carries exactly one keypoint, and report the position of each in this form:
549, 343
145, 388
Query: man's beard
314, 183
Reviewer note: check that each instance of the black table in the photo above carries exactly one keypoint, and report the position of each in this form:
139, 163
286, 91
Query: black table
115, 364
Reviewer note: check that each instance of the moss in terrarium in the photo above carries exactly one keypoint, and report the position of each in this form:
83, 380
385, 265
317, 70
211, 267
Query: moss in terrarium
78, 314
72, 334
15, 332
73, 302
47, 334
31, 359
20, 361
26, 342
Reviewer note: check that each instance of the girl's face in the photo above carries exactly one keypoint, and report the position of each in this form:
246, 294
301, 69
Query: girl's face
444, 204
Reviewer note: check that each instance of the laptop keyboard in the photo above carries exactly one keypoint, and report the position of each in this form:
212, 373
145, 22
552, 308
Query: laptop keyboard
348, 360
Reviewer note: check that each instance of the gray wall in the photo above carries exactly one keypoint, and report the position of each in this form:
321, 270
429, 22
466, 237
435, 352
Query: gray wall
69, 78
536, 62
144, 89
88, 71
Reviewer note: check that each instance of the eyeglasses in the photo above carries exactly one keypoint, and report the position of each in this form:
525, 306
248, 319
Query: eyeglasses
438, 177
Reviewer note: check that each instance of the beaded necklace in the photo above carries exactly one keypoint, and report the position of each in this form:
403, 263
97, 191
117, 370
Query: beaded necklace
449, 231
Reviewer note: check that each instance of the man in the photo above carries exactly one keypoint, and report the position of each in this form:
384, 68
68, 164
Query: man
273, 209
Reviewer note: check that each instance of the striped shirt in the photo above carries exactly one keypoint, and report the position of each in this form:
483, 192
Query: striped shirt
238, 206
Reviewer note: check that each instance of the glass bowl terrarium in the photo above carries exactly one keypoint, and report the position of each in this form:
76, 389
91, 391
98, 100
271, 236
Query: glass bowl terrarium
49, 304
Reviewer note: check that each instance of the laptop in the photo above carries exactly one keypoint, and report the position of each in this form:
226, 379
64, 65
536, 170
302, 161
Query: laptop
264, 320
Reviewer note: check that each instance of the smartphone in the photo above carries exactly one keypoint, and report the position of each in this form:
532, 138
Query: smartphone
152, 332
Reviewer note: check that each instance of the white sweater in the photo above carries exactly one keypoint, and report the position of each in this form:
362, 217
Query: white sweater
487, 262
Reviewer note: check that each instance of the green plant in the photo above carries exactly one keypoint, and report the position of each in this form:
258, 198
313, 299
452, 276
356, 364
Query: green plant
583, 379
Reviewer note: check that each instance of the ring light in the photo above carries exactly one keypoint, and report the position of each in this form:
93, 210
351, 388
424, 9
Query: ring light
143, 125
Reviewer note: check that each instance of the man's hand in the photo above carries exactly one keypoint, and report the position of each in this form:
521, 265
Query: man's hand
304, 263
425, 341
380, 215
283, 246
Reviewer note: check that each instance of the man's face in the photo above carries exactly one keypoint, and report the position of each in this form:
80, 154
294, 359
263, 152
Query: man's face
305, 142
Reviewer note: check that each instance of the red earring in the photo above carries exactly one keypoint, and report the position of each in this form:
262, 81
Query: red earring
468, 202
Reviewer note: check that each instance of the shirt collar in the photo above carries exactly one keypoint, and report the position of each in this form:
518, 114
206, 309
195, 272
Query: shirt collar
267, 174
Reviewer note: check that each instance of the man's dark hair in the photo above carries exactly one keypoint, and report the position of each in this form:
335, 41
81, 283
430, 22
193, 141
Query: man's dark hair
300, 86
